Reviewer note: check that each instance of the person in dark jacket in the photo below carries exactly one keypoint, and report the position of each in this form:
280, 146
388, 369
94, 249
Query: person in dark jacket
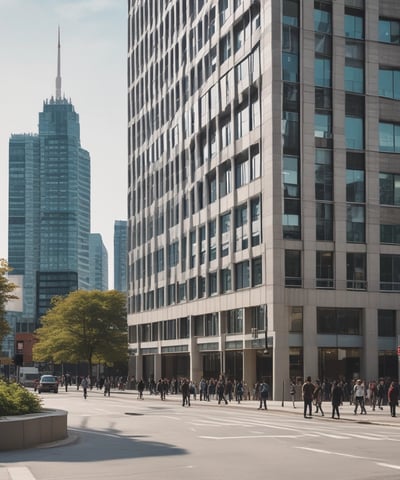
140, 387
336, 398
221, 392
264, 390
308, 392
393, 398
185, 392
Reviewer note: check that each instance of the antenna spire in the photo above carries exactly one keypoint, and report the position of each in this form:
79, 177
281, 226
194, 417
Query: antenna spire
58, 79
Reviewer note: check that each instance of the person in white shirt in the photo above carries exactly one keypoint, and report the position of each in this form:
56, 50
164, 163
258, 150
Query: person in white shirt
359, 397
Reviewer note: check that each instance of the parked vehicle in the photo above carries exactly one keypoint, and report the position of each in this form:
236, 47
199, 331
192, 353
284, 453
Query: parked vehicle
28, 376
47, 383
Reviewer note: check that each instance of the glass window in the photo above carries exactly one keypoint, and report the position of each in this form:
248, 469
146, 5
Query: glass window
290, 12
225, 48
291, 220
389, 31
354, 78
241, 228
212, 283
354, 131
386, 323
339, 321
323, 125
242, 170
357, 271
322, 72
390, 234
290, 39
290, 67
324, 221
355, 185
296, 319
390, 272
225, 228
323, 174
235, 321
323, 44
290, 132
389, 83
255, 162
324, 270
293, 268
389, 189
355, 223
242, 122
256, 271
354, 26
255, 206
389, 137
242, 274
291, 177
226, 280
212, 240
323, 19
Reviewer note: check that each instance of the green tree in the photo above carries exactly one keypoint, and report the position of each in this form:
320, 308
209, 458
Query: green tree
6, 289
84, 326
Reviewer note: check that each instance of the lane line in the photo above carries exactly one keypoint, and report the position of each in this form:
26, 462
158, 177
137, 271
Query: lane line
20, 473
388, 465
239, 437
339, 454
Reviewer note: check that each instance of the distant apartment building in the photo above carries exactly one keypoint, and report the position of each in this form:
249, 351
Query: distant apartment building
49, 209
264, 191
120, 255
98, 263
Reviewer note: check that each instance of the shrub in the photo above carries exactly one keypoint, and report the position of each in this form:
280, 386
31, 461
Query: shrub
17, 400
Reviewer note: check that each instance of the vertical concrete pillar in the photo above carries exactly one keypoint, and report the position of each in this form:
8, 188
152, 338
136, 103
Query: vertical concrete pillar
157, 367
369, 359
249, 367
196, 364
310, 348
138, 367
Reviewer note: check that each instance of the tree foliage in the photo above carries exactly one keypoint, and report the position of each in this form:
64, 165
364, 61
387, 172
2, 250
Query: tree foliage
84, 326
6, 289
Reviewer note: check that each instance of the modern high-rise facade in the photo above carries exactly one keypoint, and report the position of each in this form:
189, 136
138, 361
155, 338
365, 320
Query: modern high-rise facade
98, 263
264, 189
49, 208
120, 255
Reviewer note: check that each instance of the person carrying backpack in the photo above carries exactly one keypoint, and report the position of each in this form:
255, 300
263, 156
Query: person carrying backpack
263, 389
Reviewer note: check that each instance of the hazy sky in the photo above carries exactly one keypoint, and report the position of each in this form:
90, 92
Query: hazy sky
93, 71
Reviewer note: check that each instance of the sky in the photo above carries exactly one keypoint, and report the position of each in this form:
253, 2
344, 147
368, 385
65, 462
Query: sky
93, 71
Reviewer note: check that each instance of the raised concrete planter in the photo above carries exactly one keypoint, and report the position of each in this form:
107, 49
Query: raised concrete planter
25, 431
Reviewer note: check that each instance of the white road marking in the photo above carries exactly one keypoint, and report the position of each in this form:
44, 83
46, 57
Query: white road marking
20, 473
239, 437
388, 465
328, 452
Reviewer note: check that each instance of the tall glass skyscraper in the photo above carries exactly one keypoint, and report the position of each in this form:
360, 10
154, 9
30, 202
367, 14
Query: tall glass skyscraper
98, 263
120, 255
49, 208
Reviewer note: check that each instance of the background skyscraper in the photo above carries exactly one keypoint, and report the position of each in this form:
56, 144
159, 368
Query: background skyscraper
98, 263
120, 255
49, 208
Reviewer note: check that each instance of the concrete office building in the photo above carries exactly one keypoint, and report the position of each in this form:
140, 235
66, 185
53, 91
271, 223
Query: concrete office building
98, 263
264, 192
121, 255
49, 209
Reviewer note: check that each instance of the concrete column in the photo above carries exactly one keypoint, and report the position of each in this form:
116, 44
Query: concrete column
138, 359
278, 321
249, 367
196, 364
157, 367
369, 356
310, 348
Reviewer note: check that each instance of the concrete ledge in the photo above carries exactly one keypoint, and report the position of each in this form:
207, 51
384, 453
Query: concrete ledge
26, 431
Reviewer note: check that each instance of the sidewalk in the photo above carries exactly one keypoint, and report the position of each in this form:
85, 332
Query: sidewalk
378, 417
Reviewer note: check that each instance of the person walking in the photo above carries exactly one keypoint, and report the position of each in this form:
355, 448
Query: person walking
336, 398
317, 396
185, 389
393, 398
263, 389
221, 392
307, 391
140, 388
84, 385
359, 397
107, 387
292, 391
381, 393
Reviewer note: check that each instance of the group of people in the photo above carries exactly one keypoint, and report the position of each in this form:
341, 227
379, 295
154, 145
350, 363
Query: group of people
374, 391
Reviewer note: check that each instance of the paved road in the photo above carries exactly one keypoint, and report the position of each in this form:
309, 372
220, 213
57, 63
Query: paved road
122, 438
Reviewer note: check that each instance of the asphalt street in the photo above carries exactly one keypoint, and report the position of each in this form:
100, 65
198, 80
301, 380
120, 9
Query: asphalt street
121, 437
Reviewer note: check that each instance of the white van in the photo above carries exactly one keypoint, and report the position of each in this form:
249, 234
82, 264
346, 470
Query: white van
28, 376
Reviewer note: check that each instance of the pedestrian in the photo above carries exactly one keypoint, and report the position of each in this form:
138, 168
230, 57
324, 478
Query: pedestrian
263, 391
292, 391
317, 396
221, 391
393, 398
380, 393
373, 394
107, 387
185, 389
307, 391
160, 388
336, 398
359, 397
239, 391
140, 387
84, 385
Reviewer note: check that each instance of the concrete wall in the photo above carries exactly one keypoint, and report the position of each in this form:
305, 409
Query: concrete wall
25, 431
